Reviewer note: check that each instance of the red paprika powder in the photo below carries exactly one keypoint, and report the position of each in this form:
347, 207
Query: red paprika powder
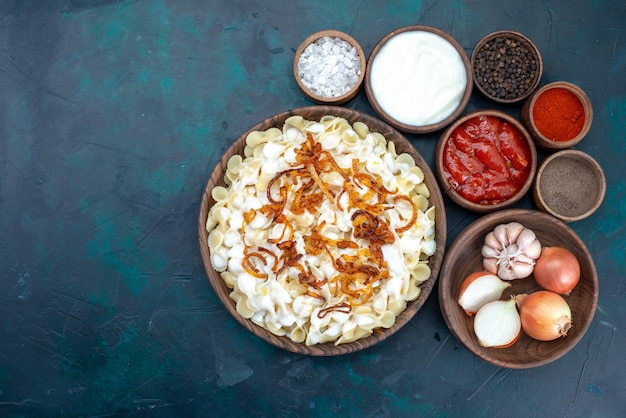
558, 114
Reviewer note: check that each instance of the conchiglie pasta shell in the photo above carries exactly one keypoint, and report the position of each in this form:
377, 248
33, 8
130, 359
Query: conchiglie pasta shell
430, 213
229, 278
334, 123
411, 259
330, 141
350, 137
420, 273
315, 128
259, 137
421, 203
297, 122
387, 319
391, 149
275, 328
413, 290
243, 308
397, 306
355, 335
361, 129
407, 159
219, 193
218, 261
211, 222
422, 190
234, 163
416, 170
215, 239
298, 334
368, 321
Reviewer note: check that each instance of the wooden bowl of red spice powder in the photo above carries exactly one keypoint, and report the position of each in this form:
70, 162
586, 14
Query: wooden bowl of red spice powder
557, 115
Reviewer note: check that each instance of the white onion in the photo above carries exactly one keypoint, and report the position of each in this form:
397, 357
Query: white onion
497, 324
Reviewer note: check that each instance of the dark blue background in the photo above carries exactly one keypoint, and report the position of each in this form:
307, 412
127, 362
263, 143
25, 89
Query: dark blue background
112, 116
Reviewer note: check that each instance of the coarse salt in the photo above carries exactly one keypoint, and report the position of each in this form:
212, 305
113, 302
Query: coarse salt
329, 67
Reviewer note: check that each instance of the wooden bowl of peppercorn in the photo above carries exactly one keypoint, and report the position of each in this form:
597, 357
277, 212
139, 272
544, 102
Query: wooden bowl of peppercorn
507, 66
558, 115
329, 67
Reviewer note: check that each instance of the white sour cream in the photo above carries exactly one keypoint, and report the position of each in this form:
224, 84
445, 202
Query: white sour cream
418, 78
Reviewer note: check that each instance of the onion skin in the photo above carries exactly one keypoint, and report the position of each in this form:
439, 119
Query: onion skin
557, 269
545, 315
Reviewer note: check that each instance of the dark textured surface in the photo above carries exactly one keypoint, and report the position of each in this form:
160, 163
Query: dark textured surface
112, 116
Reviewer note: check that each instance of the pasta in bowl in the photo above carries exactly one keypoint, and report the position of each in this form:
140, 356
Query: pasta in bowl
322, 230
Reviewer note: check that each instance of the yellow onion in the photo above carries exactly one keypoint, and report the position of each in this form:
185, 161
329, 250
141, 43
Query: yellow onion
545, 315
557, 269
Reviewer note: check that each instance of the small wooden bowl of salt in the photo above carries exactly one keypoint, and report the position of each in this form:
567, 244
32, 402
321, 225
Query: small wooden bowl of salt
329, 67
570, 185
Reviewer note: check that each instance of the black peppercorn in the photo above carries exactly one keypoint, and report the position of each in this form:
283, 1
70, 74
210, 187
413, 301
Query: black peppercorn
505, 67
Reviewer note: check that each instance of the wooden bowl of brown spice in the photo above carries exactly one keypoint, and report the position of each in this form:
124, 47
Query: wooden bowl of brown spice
569, 185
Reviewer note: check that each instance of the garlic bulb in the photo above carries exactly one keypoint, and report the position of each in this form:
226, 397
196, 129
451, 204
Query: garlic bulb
510, 251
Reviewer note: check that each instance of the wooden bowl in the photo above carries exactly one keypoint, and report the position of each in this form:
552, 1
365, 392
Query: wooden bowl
464, 257
546, 140
384, 113
402, 146
316, 96
570, 185
447, 186
485, 65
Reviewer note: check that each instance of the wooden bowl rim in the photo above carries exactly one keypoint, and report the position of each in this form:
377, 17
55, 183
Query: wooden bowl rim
447, 188
420, 129
584, 158
513, 34
332, 33
477, 230
436, 198
528, 115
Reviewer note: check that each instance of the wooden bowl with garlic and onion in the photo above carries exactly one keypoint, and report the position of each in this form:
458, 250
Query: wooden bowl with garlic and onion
465, 257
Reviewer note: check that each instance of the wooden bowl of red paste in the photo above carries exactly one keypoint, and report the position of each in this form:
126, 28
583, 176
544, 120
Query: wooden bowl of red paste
558, 115
485, 161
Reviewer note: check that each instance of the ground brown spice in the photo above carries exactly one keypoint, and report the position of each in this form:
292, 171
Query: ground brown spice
569, 186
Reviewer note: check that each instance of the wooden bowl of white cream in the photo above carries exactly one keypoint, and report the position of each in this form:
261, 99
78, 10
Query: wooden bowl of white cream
418, 79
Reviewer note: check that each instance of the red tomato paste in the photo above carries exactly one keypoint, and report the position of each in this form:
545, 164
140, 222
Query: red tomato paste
486, 160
